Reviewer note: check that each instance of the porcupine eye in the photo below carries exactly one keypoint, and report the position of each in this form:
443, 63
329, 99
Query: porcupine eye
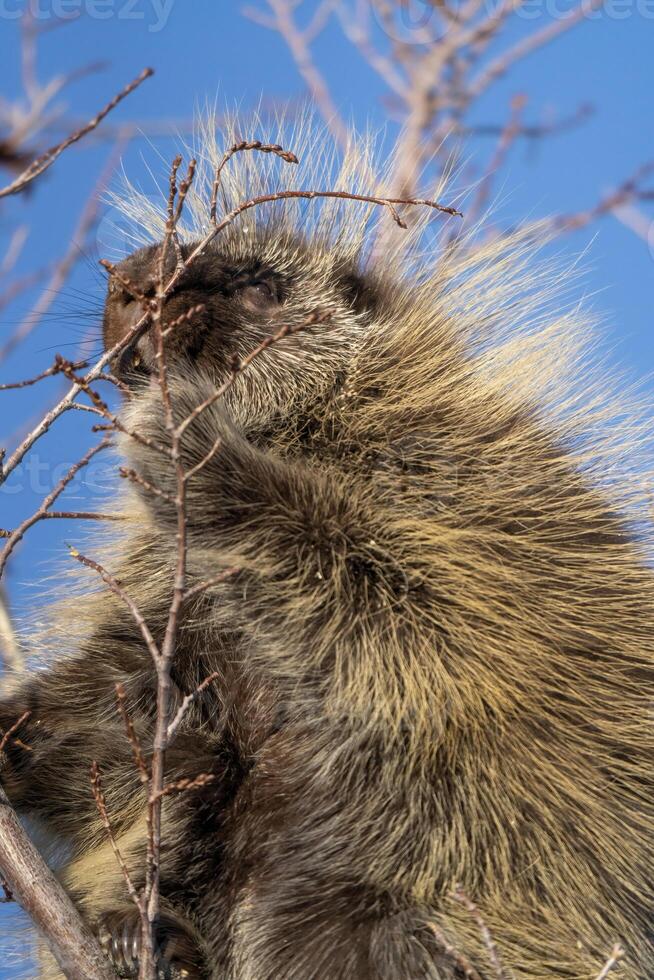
259, 296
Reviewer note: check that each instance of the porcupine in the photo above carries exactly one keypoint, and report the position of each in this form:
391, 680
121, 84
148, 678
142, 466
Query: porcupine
434, 656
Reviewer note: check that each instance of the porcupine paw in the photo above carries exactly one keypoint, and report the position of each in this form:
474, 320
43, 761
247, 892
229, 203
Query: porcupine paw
177, 951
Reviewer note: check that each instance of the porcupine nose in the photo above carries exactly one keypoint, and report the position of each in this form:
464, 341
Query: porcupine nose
123, 311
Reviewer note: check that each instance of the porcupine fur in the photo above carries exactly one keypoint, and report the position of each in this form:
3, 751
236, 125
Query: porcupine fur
435, 659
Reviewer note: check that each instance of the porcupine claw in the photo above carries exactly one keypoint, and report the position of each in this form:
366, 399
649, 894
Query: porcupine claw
119, 934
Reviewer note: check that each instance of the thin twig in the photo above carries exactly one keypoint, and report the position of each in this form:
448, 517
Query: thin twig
460, 961
101, 804
386, 202
298, 43
244, 145
118, 591
16, 536
500, 65
57, 368
237, 367
137, 751
9, 734
134, 477
183, 318
493, 953
183, 786
65, 266
44, 162
616, 955
41, 895
188, 701
209, 583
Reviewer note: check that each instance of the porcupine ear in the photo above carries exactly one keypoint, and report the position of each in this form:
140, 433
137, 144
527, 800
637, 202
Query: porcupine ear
362, 293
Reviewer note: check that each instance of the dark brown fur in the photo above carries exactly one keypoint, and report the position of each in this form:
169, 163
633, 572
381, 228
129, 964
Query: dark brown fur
435, 662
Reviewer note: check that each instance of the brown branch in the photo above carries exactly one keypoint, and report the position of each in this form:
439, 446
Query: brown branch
44, 162
65, 266
387, 202
101, 804
183, 786
134, 477
134, 291
57, 368
147, 964
244, 145
493, 953
118, 591
80, 515
629, 191
357, 30
500, 65
460, 961
534, 131
43, 898
183, 318
205, 459
616, 955
68, 401
9, 734
298, 44
507, 137
137, 751
237, 367
188, 701
16, 536
102, 409
164, 663
210, 582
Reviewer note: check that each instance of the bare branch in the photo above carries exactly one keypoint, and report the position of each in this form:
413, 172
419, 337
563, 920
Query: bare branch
9, 734
188, 701
64, 267
274, 148
299, 45
134, 477
460, 961
507, 137
15, 537
183, 786
137, 751
101, 804
386, 202
43, 898
616, 955
237, 367
57, 368
209, 583
628, 192
45, 161
118, 590
501, 64
493, 953
183, 318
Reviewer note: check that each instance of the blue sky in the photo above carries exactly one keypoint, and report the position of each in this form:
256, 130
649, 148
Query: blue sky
205, 49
